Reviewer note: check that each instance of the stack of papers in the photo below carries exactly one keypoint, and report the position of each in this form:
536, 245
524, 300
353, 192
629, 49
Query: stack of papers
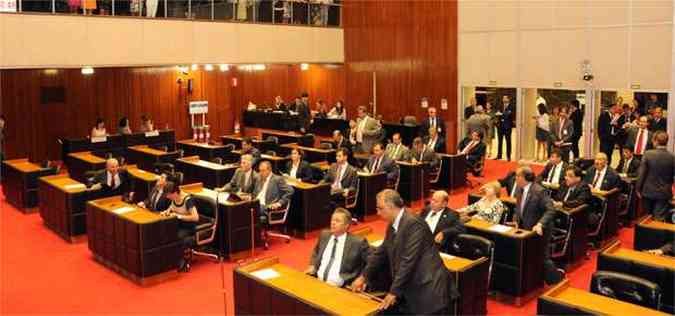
123, 210
265, 274
500, 228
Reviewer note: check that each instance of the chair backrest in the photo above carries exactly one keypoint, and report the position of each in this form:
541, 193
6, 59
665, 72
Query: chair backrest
230, 148
178, 177
353, 198
626, 288
435, 174
217, 160
271, 153
91, 175
278, 217
325, 145
307, 140
164, 167
207, 209
409, 120
273, 139
471, 246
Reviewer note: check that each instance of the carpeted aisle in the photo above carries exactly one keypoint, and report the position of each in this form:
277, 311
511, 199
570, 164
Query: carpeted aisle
42, 274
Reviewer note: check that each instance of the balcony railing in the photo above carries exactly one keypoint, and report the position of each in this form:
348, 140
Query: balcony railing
296, 12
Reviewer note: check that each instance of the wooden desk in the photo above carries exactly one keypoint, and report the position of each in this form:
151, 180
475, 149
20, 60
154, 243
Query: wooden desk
146, 157
413, 182
311, 154
658, 269
117, 144
326, 126
213, 175
278, 120
566, 300
470, 277
141, 245
79, 163
652, 234
203, 150
20, 183
284, 137
234, 139
233, 238
278, 162
453, 171
142, 182
309, 210
293, 293
63, 205
517, 271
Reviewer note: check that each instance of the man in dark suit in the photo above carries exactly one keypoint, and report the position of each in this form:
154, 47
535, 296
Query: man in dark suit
474, 149
379, 162
303, 112
341, 176
340, 141
114, 181
554, 171
338, 257
605, 133
420, 153
271, 190
157, 200
248, 149
561, 134
628, 165
640, 138
577, 118
297, 168
535, 212
508, 182
665, 250
658, 123
443, 222
601, 176
244, 179
435, 141
574, 192
421, 283
506, 122
655, 179
433, 121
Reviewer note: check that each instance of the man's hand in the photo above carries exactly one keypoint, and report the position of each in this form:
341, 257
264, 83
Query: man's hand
359, 285
657, 252
439, 238
309, 270
538, 229
388, 301
557, 204
141, 204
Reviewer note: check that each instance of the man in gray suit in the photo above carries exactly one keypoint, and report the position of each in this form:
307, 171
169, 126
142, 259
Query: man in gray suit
479, 121
420, 153
379, 162
271, 190
562, 133
368, 130
338, 257
244, 179
341, 175
656, 175
396, 150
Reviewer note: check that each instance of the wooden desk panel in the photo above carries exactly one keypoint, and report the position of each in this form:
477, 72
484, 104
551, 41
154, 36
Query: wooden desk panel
311, 154
20, 183
413, 181
284, 137
453, 171
142, 182
146, 158
63, 207
79, 163
651, 234
212, 175
369, 186
309, 208
203, 150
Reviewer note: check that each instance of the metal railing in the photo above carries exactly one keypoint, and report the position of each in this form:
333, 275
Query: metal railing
325, 13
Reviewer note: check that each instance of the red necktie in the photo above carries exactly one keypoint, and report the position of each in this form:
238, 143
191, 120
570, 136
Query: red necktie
597, 177
562, 124
638, 146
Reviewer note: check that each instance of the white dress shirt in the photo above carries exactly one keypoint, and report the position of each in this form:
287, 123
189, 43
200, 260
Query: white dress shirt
432, 219
337, 184
117, 180
432, 143
334, 272
554, 174
359, 129
294, 170
600, 174
263, 191
397, 220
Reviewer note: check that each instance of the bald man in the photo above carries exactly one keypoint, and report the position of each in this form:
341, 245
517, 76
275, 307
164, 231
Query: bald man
114, 180
443, 221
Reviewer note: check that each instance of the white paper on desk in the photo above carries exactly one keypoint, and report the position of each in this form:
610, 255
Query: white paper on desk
265, 274
123, 210
377, 243
446, 256
499, 228
152, 134
75, 186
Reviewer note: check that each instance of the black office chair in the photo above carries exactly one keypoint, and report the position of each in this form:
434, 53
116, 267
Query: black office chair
325, 145
217, 160
584, 164
473, 247
352, 199
177, 177
307, 140
90, 177
435, 173
594, 230
205, 230
271, 153
626, 288
276, 218
409, 120
229, 148
561, 234
273, 139
164, 167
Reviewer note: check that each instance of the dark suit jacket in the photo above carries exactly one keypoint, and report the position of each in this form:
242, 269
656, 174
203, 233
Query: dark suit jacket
579, 196
354, 255
476, 153
304, 172
277, 190
448, 223
439, 147
162, 203
567, 131
426, 124
605, 127
662, 125
537, 208
428, 156
508, 182
124, 187
543, 176
577, 119
237, 182
386, 165
349, 178
468, 111
655, 179
611, 180
508, 118
303, 114
631, 138
418, 273
633, 167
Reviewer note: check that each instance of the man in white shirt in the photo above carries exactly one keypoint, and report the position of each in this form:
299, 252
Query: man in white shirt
395, 150
435, 141
554, 172
114, 180
338, 257
443, 221
272, 191
244, 178
600, 176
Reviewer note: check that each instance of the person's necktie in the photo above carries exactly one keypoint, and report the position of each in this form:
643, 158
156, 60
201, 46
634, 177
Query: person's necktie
625, 166
113, 183
155, 198
376, 165
330, 261
638, 146
550, 174
596, 178
513, 190
433, 123
568, 194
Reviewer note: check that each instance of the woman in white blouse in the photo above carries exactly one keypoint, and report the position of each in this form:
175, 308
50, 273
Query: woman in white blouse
543, 129
338, 112
183, 208
489, 207
99, 129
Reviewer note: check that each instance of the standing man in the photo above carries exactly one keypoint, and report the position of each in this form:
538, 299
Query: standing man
655, 179
535, 212
303, 112
561, 134
639, 138
577, 118
658, 123
479, 121
506, 123
443, 221
420, 282
433, 121
368, 129
605, 134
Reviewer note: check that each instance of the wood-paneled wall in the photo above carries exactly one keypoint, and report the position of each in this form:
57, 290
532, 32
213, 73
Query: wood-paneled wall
412, 47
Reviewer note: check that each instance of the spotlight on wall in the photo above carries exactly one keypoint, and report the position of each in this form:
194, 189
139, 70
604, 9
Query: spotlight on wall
87, 71
224, 67
208, 67
195, 67
304, 66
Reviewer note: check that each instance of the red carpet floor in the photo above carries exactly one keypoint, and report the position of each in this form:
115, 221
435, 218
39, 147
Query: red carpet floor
42, 274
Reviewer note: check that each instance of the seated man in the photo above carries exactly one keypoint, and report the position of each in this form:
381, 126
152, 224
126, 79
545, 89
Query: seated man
244, 179
396, 150
114, 181
554, 172
574, 192
340, 141
435, 141
474, 149
338, 257
272, 191
379, 162
248, 149
420, 153
600, 177
157, 200
297, 168
342, 177
629, 164
443, 221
